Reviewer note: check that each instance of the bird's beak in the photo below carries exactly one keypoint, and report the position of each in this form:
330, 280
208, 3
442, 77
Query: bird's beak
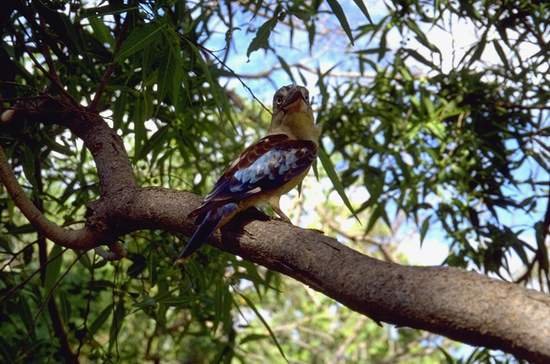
294, 101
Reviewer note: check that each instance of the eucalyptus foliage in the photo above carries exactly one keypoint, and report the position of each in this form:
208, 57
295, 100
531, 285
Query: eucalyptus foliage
461, 150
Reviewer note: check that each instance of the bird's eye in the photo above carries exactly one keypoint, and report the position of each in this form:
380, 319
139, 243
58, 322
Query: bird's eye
279, 100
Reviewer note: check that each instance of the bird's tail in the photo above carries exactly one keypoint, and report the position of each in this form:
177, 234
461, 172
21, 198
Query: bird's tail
210, 222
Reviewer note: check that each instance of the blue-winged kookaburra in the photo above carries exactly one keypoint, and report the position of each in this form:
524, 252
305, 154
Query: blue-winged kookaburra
265, 170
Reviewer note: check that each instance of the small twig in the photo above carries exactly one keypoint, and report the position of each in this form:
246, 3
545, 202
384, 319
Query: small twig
87, 312
109, 71
57, 282
230, 70
520, 106
47, 54
267, 73
26, 280
101, 87
15, 255
54, 80
75, 239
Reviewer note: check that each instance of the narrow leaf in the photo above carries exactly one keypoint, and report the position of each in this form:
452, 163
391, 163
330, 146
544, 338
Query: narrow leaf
361, 5
252, 337
339, 12
420, 58
100, 319
424, 229
264, 322
107, 10
138, 40
166, 73
139, 125
376, 213
501, 54
53, 268
479, 48
118, 318
261, 40
333, 176
286, 68
101, 31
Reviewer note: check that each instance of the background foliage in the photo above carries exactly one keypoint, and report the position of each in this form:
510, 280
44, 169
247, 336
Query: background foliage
459, 150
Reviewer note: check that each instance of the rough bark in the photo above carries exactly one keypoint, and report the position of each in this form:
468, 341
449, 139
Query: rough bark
462, 305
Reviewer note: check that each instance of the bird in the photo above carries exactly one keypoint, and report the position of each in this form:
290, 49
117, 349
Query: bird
265, 170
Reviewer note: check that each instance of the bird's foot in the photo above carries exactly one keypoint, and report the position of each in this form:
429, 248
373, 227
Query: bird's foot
283, 219
317, 231
281, 215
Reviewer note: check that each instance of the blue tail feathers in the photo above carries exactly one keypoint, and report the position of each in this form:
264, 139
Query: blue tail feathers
207, 226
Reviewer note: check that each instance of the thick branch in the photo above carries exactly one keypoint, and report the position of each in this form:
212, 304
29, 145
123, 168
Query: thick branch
113, 165
112, 162
465, 306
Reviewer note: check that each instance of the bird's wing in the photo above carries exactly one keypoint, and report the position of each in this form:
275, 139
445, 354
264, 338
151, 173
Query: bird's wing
264, 166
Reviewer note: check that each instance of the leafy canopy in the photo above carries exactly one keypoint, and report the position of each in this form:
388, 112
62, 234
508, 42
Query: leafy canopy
460, 151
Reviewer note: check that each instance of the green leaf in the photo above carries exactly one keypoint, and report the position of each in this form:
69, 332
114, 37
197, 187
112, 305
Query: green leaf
176, 80
26, 316
383, 44
261, 40
363, 8
448, 357
116, 325
85, 261
286, 68
27, 162
252, 337
542, 252
65, 305
421, 37
218, 94
139, 39
155, 143
479, 48
501, 53
140, 132
420, 58
139, 263
375, 215
339, 12
107, 10
55, 259
424, 229
333, 176
166, 73
101, 32
100, 319
264, 322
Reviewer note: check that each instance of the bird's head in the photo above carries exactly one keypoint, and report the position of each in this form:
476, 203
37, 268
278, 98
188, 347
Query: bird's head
291, 98
292, 113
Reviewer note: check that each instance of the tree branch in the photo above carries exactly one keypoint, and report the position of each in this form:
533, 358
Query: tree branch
464, 306
74, 239
94, 105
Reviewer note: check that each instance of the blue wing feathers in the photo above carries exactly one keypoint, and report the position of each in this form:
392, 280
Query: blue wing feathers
264, 166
